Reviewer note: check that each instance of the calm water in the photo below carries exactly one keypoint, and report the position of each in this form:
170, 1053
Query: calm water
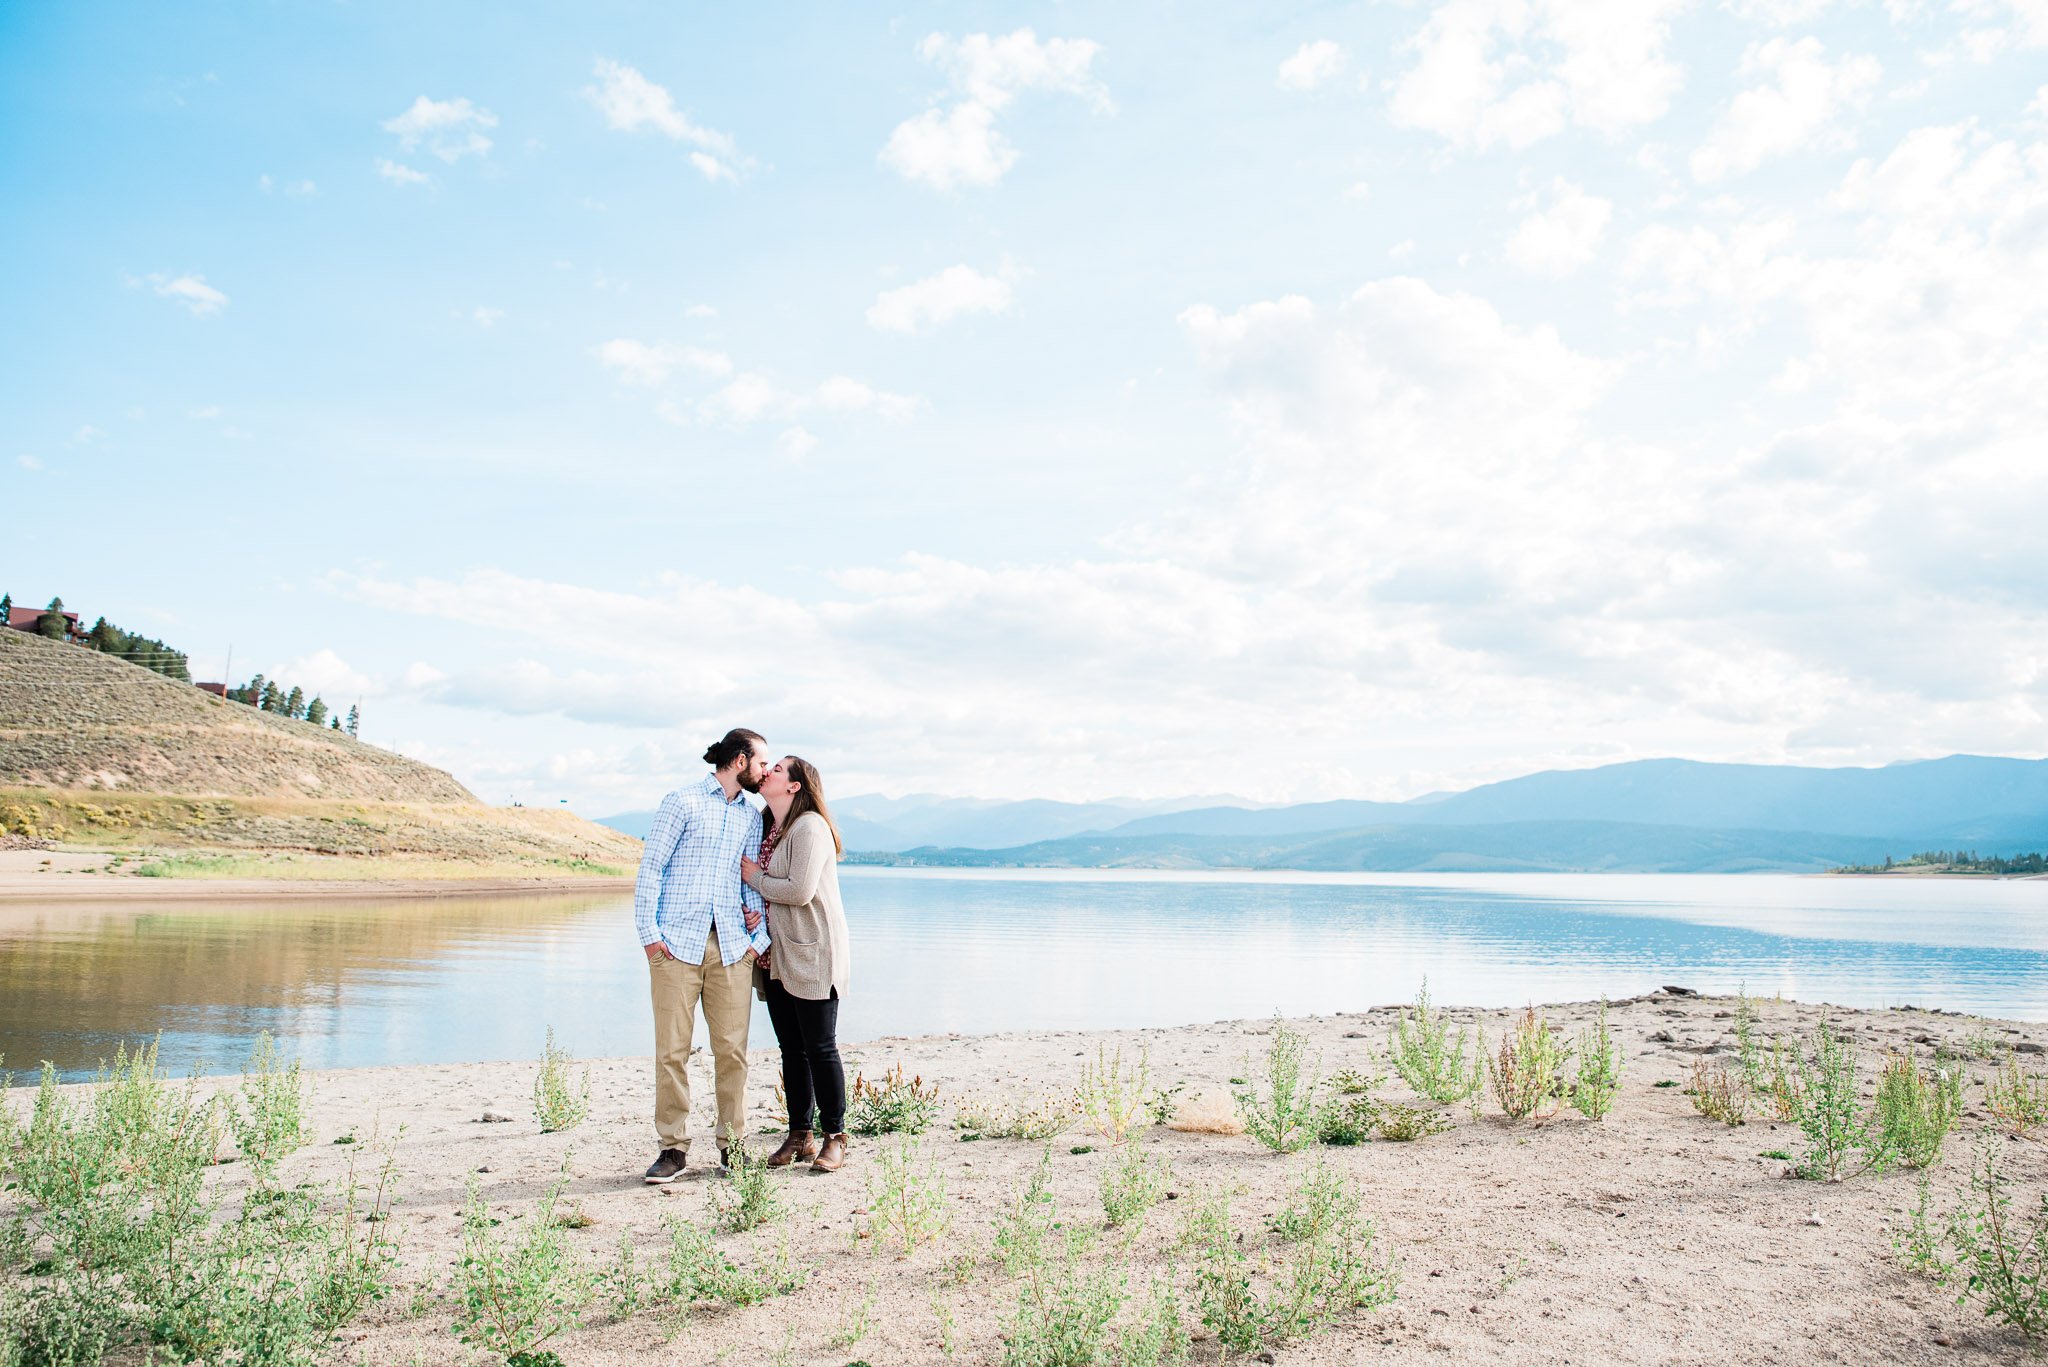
354, 984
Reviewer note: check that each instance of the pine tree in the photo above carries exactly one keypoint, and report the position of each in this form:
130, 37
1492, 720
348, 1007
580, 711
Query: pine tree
272, 697
295, 705
52, 623
106, 637
354, 719
316, 712
334, 722
6, 608
252, 692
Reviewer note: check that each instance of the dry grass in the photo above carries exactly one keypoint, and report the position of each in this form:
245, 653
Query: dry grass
1207, 1113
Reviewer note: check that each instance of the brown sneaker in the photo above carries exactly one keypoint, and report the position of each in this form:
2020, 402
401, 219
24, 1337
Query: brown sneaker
799, 1146
832, 1155
668, 1166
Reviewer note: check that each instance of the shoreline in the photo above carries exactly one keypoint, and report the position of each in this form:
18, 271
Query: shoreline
77, 876
1654, 1236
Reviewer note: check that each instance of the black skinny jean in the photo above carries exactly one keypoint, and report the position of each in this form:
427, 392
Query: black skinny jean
808, 1032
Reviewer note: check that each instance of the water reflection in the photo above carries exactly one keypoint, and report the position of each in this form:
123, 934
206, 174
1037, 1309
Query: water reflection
364, 983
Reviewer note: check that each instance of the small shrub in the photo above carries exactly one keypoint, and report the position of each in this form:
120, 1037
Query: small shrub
1983, 1042
514, 1297
1066, 1310
906, 1197
2002, 1256
2016, 1099
1840, 1139
1914, 1111
697, 1273
1430, 1057
1598, 1081
1718, 1094
895, 1105
1404, 1124
1918, 1246
1527, 1071
268, 1115
556, 1104
744, 1199
1022, 1231
623, 1281
1344, 1121
1749, 1051
1784, 1084
1113, 1097
1352, 1082
1325, 1264
1285, 1116
854, 1326
978, 1117
1132, 1184
1164, 1103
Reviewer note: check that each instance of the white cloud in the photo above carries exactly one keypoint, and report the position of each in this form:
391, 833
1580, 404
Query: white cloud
297, 189
1489, 72
848, 395
486, 317
1794, 110
935, 300
630, 102
87, 435
400, 174
960, 144
700, 311
327, 675
1563, 235
202, 299
651, 363
1311, 65
28, 462
796, 443
448, 129
206, 413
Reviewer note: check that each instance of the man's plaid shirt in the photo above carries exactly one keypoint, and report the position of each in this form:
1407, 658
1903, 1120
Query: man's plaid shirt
690, 875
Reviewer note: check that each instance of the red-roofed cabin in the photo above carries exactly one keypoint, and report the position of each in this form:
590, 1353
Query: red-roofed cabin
25, 619
218, 690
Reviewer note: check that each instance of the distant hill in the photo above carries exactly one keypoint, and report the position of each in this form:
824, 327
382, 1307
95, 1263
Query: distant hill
873, 822
1518, 847
95, 749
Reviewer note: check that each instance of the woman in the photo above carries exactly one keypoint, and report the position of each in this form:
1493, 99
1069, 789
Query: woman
798, 876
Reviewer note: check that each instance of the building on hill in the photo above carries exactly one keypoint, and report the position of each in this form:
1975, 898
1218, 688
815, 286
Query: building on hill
219, 690
25, 619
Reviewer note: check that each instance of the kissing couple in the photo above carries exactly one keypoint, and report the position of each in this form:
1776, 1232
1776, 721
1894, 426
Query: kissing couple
734, 899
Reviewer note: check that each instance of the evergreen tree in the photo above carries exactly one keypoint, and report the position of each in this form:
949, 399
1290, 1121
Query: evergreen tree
272, 698
252, 691
334, 722
354, 719
52, 623
107, 637
6, 607
316, 712
295, 705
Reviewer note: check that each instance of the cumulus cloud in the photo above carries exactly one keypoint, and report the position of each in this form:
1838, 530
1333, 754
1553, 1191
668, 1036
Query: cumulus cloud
958, 143
1312, 65
1514, 72
630, 103
937, 299
325, 674
1563, 233
448, 129
652, 363
1795, 109
199, 298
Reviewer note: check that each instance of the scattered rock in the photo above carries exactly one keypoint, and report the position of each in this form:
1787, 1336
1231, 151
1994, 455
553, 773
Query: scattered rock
2027, 1047
1663, 1037
494, 1114
1678, 991
1813, 1218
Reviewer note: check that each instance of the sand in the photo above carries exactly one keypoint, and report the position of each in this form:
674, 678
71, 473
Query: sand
1655, 1236
73, 875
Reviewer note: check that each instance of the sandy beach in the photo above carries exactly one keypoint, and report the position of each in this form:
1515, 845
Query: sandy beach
1656, 1236
61, 875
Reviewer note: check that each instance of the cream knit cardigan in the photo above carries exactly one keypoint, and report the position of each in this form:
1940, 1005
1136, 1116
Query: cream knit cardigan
809, 954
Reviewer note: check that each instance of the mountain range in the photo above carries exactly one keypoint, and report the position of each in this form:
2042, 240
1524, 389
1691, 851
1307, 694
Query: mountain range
1646, 815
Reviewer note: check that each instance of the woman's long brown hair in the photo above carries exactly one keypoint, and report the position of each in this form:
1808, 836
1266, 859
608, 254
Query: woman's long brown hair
810, 797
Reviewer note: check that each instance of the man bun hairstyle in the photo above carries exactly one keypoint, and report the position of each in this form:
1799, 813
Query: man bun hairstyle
738, 741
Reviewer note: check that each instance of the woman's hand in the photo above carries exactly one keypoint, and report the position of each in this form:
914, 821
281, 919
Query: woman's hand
749, 870
753, 919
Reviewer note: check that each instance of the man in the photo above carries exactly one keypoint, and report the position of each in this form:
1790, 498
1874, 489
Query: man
690, 908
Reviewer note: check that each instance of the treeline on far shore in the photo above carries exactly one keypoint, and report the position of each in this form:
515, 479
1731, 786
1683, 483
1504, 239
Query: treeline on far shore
1956, 861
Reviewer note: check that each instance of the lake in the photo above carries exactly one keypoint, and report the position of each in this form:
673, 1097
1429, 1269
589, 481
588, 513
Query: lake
351, 984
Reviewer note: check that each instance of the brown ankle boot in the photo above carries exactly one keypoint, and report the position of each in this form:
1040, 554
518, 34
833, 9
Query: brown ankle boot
832, 1155
798, 1146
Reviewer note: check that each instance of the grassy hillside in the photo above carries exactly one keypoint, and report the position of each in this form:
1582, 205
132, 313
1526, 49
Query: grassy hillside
175, 782
74, 718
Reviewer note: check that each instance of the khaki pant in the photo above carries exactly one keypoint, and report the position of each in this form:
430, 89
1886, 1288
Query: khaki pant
727, 991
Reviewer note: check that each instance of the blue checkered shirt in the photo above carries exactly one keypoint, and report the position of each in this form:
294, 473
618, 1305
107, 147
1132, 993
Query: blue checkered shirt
690, 875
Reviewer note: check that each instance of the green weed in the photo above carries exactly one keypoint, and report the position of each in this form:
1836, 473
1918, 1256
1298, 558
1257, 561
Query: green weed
895, 1105
1527, 1071
906, 1197
556, 1103
1430, 1056
1284, 1114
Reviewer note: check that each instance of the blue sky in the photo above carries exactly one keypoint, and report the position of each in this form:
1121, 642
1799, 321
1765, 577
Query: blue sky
1048, 400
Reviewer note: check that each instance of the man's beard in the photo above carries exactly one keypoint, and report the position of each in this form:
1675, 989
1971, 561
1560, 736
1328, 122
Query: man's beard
752, 785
